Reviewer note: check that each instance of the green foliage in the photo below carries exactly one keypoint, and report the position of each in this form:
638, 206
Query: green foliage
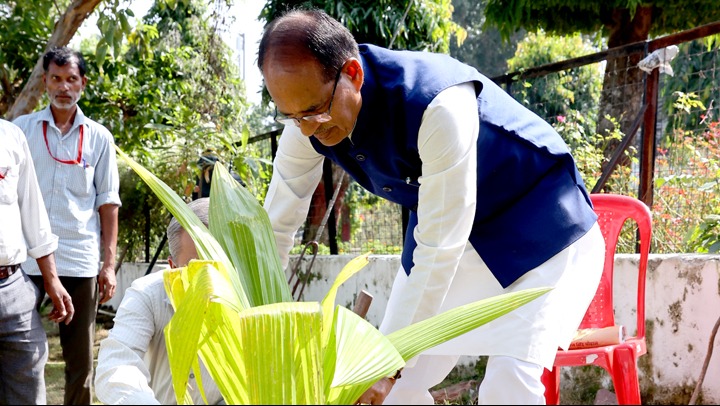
587, 146
172, 93
686, 190
114, 26
691, 92
705, 237
427, 26
558, 93
570, 16
253, 161
685, 112
483, 48
287, 352
26, 26
687, 194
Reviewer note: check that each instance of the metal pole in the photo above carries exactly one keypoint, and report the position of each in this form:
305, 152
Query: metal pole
240, 44
648, 147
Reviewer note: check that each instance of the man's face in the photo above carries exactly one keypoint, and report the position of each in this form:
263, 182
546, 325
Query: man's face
186, 251
299, 89
64, 85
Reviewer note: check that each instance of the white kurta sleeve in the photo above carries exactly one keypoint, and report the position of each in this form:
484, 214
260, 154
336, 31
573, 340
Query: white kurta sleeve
297, 170
447, 197
121, 376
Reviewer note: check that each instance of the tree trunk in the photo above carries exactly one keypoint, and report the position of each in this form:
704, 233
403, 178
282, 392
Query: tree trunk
623, 85
65, 28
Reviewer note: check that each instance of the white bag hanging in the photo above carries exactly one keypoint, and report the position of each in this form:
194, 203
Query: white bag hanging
659, 59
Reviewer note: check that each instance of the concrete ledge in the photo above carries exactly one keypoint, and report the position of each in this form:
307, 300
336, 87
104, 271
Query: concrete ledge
127, 274
682, 304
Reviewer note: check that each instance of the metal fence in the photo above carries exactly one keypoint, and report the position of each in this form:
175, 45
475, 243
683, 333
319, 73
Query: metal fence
659, 133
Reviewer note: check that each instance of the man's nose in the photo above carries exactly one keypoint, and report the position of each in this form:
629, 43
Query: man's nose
308, 128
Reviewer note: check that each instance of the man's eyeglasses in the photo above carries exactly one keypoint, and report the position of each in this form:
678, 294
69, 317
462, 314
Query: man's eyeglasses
313, 118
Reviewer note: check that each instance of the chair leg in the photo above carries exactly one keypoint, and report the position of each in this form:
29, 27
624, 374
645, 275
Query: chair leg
625, 376
551, 381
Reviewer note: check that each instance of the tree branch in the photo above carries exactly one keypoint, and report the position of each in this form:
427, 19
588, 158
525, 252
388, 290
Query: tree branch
65, 28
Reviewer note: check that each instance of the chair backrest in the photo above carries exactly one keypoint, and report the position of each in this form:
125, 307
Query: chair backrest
613, 210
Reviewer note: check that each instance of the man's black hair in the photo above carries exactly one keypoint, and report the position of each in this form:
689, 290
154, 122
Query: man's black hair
62, 56
311, 31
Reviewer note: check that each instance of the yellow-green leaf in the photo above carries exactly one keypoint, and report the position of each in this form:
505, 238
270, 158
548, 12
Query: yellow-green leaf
353, 267
207, 246
418, 337
242, 228
364, 355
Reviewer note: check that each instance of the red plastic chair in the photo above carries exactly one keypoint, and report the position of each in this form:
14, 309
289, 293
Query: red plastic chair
620, 360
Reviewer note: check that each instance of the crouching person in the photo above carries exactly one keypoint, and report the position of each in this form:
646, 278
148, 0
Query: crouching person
133, 366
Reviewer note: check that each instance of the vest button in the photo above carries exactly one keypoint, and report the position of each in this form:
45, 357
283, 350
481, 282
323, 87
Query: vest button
360, 157
387, 189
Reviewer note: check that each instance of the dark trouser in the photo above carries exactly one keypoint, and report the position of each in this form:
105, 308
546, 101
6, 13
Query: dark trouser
77, 338
23, 346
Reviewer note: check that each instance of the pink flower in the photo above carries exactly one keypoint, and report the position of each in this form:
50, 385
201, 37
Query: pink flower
561, 119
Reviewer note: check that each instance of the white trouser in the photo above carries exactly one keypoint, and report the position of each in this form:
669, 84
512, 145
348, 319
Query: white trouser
507, 381
519, 343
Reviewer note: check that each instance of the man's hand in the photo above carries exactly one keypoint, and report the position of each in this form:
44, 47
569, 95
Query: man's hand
378, 392
106, 283
63, 309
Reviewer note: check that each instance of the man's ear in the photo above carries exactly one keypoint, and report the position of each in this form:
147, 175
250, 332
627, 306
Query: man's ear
353, 68
171, 263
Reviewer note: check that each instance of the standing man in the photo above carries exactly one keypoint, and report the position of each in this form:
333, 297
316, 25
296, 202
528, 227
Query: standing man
25, 232
496, 202
78, 175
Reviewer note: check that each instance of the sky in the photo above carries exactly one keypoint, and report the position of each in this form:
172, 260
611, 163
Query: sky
246, 12
245, 26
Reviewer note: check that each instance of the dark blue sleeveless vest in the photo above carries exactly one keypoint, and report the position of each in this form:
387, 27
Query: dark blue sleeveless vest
531, 200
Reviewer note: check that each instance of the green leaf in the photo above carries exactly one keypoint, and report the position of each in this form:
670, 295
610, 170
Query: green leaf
207, 246
124, 23
109, 34
183, 332
353, 267
243, 229
418, 337
101, 52
364, 355
282, 354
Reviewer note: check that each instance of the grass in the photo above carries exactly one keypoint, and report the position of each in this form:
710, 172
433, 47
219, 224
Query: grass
55, 367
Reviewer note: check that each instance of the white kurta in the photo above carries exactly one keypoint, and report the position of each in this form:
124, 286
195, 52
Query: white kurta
133, 365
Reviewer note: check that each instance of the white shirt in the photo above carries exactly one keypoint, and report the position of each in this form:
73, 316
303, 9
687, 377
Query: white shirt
447, 144
73, 192
133, 365
25, 227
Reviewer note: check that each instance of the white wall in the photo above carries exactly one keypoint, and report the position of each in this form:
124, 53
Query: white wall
128, 273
